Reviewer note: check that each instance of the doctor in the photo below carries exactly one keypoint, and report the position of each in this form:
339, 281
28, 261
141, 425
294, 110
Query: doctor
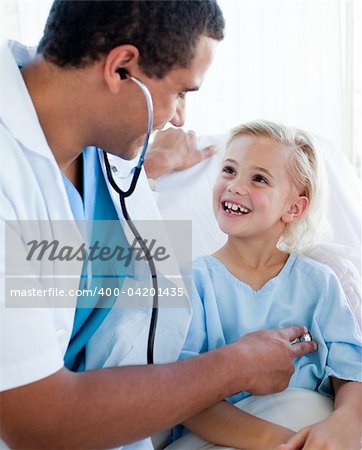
53, 104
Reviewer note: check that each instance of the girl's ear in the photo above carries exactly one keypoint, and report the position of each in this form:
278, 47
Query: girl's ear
296, 210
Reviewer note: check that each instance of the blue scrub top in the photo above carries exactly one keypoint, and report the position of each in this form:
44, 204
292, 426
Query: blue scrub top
95, 205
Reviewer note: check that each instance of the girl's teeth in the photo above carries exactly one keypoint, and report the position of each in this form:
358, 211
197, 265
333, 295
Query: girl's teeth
236, 208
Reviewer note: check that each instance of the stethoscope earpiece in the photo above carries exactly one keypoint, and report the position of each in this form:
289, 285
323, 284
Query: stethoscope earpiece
122, 73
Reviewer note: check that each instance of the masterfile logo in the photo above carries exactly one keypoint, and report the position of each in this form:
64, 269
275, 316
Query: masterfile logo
96, 263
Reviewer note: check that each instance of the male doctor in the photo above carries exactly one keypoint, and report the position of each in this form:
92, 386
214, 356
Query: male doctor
53, 105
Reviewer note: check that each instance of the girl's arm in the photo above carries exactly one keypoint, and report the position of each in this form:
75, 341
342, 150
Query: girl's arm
225, 424
348, 396
342, 429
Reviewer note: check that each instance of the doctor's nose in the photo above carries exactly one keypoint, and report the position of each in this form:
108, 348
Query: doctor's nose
178, 120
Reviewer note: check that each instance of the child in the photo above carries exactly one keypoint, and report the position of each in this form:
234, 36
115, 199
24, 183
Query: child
268, 200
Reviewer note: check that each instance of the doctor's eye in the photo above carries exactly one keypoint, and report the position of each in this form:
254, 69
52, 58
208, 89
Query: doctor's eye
229, 170
260, 179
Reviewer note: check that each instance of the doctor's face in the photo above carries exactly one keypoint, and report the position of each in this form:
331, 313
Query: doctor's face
168, 96
169, 93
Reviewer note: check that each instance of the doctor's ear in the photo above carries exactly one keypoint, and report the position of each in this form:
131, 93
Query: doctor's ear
123, 73
296, 210
118, 63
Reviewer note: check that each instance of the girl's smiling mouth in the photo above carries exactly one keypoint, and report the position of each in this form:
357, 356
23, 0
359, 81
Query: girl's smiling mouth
234, 208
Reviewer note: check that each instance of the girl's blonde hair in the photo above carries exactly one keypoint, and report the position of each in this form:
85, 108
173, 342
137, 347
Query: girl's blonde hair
307, 174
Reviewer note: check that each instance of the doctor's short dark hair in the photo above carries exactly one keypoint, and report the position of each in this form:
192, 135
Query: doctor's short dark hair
78, 33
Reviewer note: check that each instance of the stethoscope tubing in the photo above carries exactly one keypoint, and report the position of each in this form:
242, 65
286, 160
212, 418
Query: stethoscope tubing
122, 198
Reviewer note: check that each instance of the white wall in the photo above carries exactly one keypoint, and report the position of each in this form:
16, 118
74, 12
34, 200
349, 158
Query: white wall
293, 61
282, 61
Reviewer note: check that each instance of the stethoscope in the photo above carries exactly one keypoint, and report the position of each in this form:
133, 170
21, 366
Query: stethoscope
124, 194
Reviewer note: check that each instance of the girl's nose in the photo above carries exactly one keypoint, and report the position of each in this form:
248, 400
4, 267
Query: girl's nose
237, 187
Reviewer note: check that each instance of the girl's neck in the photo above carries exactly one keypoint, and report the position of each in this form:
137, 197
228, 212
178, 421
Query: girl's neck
253, 262
253, 254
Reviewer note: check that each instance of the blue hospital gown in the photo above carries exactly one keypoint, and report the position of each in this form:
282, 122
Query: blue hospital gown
304, 292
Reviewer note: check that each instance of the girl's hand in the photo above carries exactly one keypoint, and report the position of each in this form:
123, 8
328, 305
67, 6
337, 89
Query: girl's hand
340, 431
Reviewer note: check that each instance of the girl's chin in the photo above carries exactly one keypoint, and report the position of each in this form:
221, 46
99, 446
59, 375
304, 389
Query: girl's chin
229, 228
226, 219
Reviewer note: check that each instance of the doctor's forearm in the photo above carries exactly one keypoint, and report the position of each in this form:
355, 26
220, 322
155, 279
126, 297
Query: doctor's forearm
111, 407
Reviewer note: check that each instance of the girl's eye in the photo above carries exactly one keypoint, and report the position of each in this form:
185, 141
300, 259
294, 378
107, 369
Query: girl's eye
229, 170
181, 95
260, 179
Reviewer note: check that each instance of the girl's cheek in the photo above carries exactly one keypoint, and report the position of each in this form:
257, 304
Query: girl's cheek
258, 199
218, 188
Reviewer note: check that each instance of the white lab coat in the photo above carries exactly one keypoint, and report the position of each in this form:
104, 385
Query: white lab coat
34, 340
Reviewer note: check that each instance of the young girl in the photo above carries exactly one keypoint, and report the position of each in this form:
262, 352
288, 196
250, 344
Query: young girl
268, 200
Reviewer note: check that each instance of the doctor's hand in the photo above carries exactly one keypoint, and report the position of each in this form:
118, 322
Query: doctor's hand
174, 149
269, 356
